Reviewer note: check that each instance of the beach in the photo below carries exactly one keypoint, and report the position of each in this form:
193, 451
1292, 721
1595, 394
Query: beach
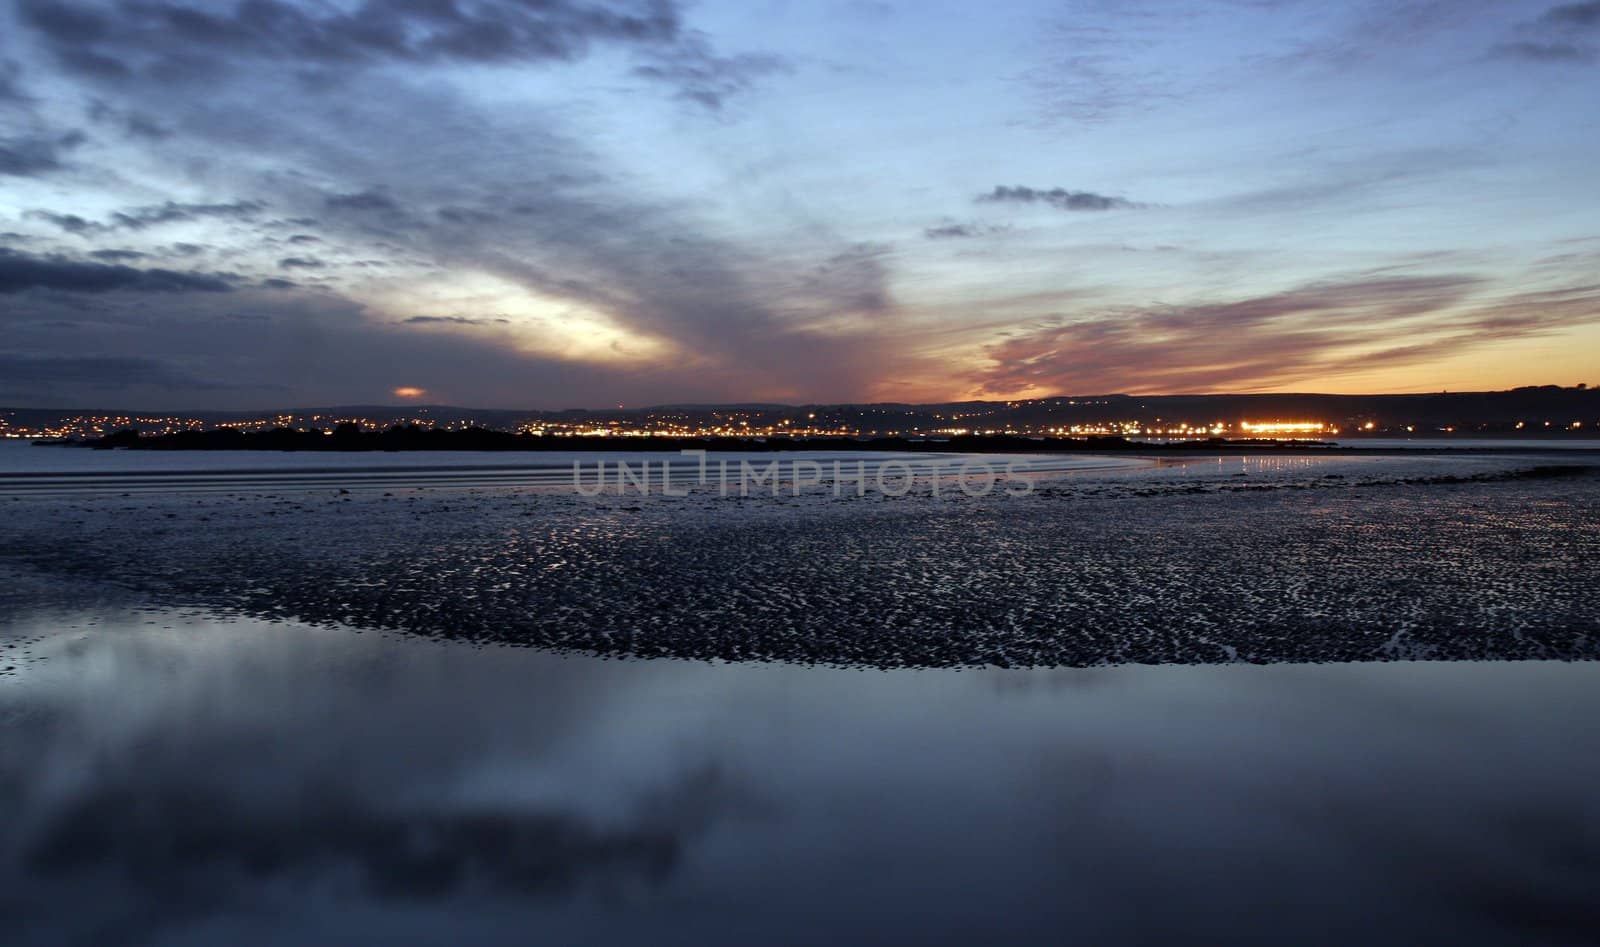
1256, 558
1206, 699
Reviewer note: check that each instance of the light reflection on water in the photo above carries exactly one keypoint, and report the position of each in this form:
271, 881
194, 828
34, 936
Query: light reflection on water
201, 781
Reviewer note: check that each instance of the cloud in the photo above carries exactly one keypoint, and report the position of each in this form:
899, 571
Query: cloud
300, 263
177, 42
702, 76
455, 320
1092, 72
118, 256
139, 218
32, 155
1547, 52
466, 215
1319, 330
1554, 36
519, 210
20, 272
952, 230
853, 280
71, 223
781, 321
1059, 198
27, 376
132, 123
371, 200
143, 218
178, 39
1577, 15
278, 344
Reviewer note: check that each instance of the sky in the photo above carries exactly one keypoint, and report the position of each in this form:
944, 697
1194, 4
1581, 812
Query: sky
584, 203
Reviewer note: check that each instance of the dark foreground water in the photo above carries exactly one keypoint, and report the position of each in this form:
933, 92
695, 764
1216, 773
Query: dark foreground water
176, 779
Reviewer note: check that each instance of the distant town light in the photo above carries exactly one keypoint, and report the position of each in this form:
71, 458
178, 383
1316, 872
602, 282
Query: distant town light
1283, 427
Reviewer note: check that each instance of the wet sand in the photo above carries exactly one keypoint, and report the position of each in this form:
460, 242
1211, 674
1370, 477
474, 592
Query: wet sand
1202, 560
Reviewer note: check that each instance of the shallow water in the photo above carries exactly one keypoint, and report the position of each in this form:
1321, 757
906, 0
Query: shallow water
32, 470
181, 779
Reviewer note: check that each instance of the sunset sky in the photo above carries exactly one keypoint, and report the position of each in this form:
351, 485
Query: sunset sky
566, 203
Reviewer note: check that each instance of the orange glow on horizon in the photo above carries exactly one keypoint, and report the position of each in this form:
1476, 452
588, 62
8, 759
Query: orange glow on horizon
409, 391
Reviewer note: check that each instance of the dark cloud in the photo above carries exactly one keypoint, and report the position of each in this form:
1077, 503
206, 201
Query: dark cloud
277, 343
20, 272
142, 218
368, 201
1578, 15
304, 238
959, 231
455, 320
1555, 36
780, 321
138, 218
173, 42
71, 223
174, 39
1059, 198
855, 280
1321, 330
133, 123
301, 263
31, 155
28, 375
118, 256
517, 201
1547, 52
466, 215
702, 76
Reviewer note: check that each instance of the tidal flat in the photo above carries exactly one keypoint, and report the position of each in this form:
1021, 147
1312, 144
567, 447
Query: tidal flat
1253, 558
1328, 699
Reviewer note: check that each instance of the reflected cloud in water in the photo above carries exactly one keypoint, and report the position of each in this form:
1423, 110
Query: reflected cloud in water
195, 780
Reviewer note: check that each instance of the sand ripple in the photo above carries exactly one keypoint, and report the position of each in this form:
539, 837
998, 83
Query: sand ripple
1266, 559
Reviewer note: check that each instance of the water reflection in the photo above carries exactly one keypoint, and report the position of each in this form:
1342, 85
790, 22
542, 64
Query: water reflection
190, 781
